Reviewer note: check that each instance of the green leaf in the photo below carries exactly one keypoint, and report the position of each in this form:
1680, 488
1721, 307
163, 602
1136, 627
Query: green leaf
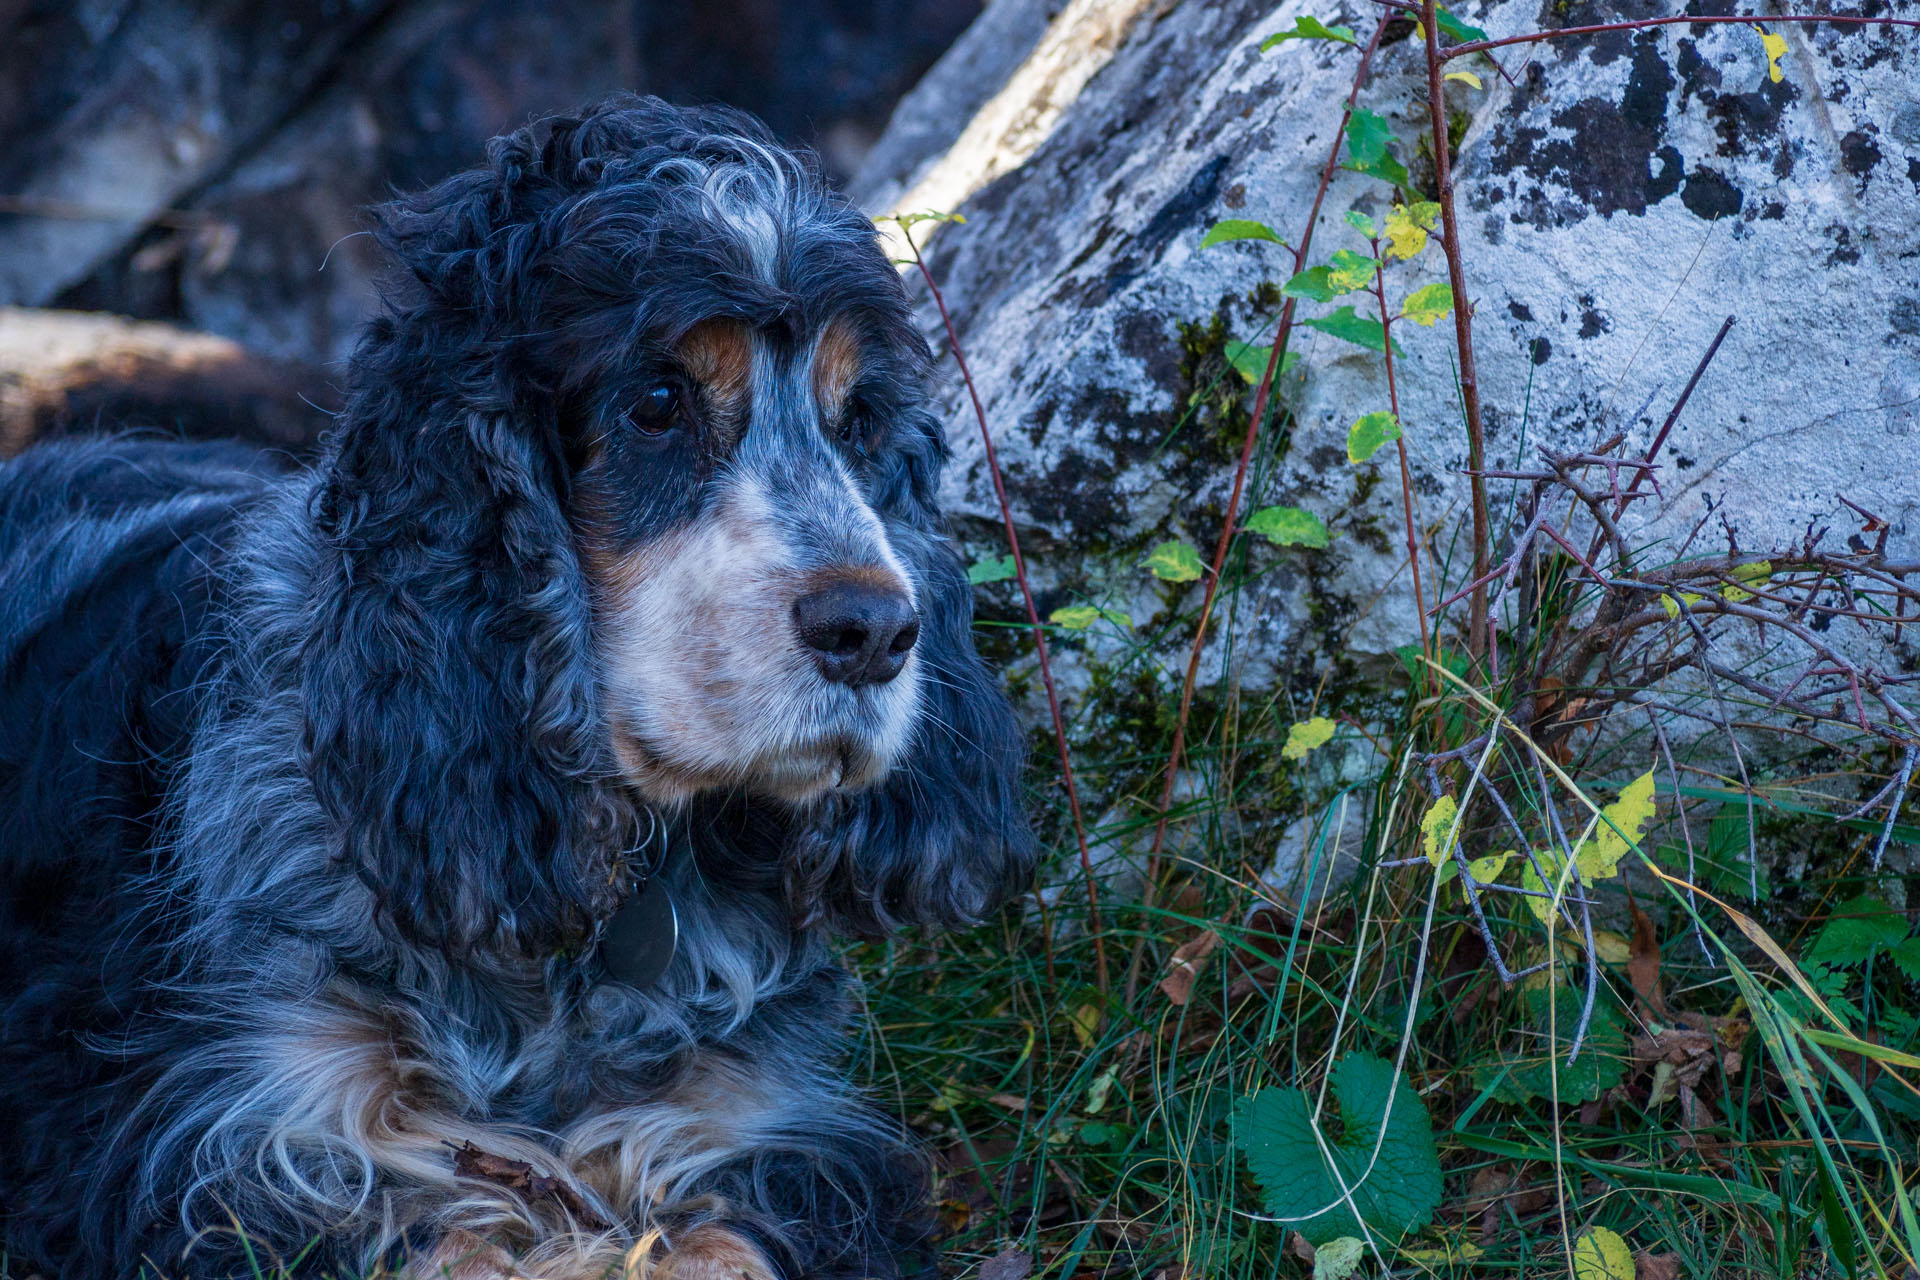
1855, 930
1906, 957
1079, 617
1361, 330
1530, 1072
1339, 1259
1600, 1254
1455, 28
1348, 270
1396, 1191
923, 215
1305, 28
1367, 138
1307, 735
1239, 229
1365, 436
1313, 284
1362, 223
1287, 527
992, 569
1250, 362
1428, 303
1174, 561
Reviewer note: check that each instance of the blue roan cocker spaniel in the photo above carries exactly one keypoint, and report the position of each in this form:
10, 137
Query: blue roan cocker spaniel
429, 861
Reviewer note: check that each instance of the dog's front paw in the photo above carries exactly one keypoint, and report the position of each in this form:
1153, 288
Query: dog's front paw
714, 1253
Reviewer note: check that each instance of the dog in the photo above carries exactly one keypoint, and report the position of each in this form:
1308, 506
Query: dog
329, 796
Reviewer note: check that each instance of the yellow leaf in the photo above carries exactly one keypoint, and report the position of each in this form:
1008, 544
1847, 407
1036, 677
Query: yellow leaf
1599, 856
1776, 49
1307, 735
1600, 1254
1436, 830
1407, 226
1465, 77
1487, 870
1086, 1023
1755, 571
1673, 610
1611, 947
1555, 883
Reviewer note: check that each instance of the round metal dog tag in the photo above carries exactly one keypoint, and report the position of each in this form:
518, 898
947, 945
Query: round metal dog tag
641, 937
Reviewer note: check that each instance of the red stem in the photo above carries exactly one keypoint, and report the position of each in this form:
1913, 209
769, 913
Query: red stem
1463, 335
1228, 529
1406, 471
1033, 617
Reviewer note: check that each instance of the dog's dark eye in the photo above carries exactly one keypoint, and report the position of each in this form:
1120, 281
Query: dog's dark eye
657, 409
855, 429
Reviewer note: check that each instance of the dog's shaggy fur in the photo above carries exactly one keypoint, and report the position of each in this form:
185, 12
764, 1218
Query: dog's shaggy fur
318, 790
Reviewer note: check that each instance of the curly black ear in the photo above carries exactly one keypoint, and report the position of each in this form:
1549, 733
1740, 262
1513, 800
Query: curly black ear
944, 838
449, 692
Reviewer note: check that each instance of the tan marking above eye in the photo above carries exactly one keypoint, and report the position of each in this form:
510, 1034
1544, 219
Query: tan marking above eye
718, 354
836, 367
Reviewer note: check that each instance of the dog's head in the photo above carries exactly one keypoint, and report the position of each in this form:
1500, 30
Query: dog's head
634, 497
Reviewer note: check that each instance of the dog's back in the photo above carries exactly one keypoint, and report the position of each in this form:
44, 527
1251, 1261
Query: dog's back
107, 575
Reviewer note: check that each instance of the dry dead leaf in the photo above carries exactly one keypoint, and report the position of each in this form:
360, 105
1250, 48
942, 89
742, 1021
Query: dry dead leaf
470, 1161
1656, 1266
1185, 966
1643, 965
1008, 1264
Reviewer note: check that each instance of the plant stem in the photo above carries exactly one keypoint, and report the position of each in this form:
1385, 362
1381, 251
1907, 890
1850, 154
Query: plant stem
1463, 334
1406, 471
1033, 616
1481, 46
1227, 530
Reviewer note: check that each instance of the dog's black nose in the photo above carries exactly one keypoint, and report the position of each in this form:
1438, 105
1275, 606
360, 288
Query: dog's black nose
859, 633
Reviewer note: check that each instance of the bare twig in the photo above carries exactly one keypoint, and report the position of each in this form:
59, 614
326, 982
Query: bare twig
1033, 617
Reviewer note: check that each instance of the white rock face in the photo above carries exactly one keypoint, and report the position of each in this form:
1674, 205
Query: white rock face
1622, 197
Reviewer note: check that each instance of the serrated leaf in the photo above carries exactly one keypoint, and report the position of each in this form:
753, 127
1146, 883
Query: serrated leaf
1540, 1060
1307, 735
1459, 30
1338, 1259
1362, 331
1305, 28
1855, 930
1287, 527
1396, 1191
1078, 617
1250, 362
1174, 561
992, 569
1428, 303
1314, 284
1366, 435
1367, 138
1437, 835
1362, 223
1599, 1254
1239, 229
1599, 855
1347, 270
1466, 77
1775, 47
1906, 957
1407, 227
